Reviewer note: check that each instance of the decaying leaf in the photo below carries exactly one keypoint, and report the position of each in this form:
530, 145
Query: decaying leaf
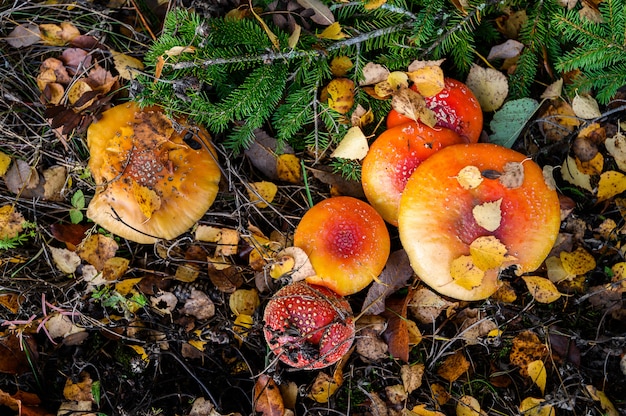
553, 91
509, 49
267, 398
293, 261
324, 386
426, 305
572, 174
79, 391
340, 94
370, 346
488, 215
538, 374
453, 367
288, 168
616, 146
531, 406
527, 348
199, 305
340, 65
611, 183
23, 35
373, 74
394, 276
66, 261
513, 175
468, 406
96, 249
585, 107
578, 262
412, 105
411, 375
605, 403
322, 15
244, 301
262, 193
541, 289
490, 87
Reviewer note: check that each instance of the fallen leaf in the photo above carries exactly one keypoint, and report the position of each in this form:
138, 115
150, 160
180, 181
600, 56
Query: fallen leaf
426, 305
469, 177
198, 305
340, 94
605, 403
412, 105
527, 348
428, 80
541, 289
465, 273
586, 107
572, 174
616, 146
179, 50
412, 375
147, 199
394, 276
321, 13
288, 168
488, 252
66, 261
353, 146
468, 406
244, 301
370, 346
262, 193
127, 66
323, 387
58, 35
453, 367
242, 324
611, 183
340, 65
488, 215
578, 262
373, 74
333, 32
490, 87
96, 249
23, 35
421, 410
11, 222
16, 353
558, 121
513, 175
556, 271
61, 326
509, 121
538, 374
373, 4
267, 398
531, 406
553, 91
509, 49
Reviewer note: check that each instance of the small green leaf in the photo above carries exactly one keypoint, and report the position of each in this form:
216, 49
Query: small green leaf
96, 392
508, 122
78, 200
76, 216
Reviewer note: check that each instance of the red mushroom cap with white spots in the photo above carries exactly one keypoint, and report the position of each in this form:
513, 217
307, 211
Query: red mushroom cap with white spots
347, 242
308, 326
151, 181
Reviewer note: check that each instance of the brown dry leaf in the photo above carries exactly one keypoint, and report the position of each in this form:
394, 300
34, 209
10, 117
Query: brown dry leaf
488, 215
54, 179
558, 121
490, 87
578, 262
353, 146
288, 168
65, 260
199, 305
61, 326
426, 305
21, 177
538, 374
473, 326
469, 177
226, 279
429, 80
509, 49
440, 394
79, 391
96, 249
453, 367
616, 146
586, 107
513, 175
394, 276
412, 375
244, 301
526, 349
164, 302
23, 35
262, 193
322, 15
267, 397
361, 117
11, 222
531, 406
605, 403
115, 268
611, 183
396, 335
127, 66
14, 359
468, 406
541, 289
324, 386
370, 347
465, 273
374, 73
553, 91
411, 104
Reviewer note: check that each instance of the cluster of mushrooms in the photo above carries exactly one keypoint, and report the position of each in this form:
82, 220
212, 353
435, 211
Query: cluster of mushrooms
428, 182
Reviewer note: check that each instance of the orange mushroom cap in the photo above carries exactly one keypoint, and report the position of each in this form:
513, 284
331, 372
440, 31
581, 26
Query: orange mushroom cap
437, 221
347, 242
393, 157
455, 107
152, 181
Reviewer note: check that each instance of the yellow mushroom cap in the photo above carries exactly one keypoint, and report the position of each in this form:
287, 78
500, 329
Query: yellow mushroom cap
152, 182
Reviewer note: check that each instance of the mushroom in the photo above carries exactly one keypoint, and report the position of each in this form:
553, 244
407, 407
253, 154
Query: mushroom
308, 326
393, 157
472, 210
455, 107
347, 242
152, 181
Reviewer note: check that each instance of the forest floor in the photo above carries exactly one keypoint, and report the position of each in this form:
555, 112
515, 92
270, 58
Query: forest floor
160, 337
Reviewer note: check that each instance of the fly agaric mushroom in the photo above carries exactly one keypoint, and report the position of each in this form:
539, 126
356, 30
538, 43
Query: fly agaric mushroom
347, 242
472, 210
308, 326
393, 157
151, 181
455, 107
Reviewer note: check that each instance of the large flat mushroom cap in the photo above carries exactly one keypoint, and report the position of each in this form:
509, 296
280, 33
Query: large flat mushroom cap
437, 224
152, 182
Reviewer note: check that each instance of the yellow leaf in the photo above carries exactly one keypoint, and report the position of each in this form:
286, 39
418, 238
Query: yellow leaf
141, 351
353, 146
538, 374
531, 406
429, 80
605, 403
611, 183
421, 410
126, 65
333, 32
593, 166
340, 65
578, 262
148, 200
323, 388
398, 79
282, 266
572, 174
125, 286
468, 406
295, 36
244, 301
488, 215
542, 290
288, 168
262, 193
619, 274
76, 92
469, 177
228, 243
556, 272
242, 325
58, 35
616, 146
340, 94
273, 38
465, 273
488, 252
373, 4
197, 344
179, 50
